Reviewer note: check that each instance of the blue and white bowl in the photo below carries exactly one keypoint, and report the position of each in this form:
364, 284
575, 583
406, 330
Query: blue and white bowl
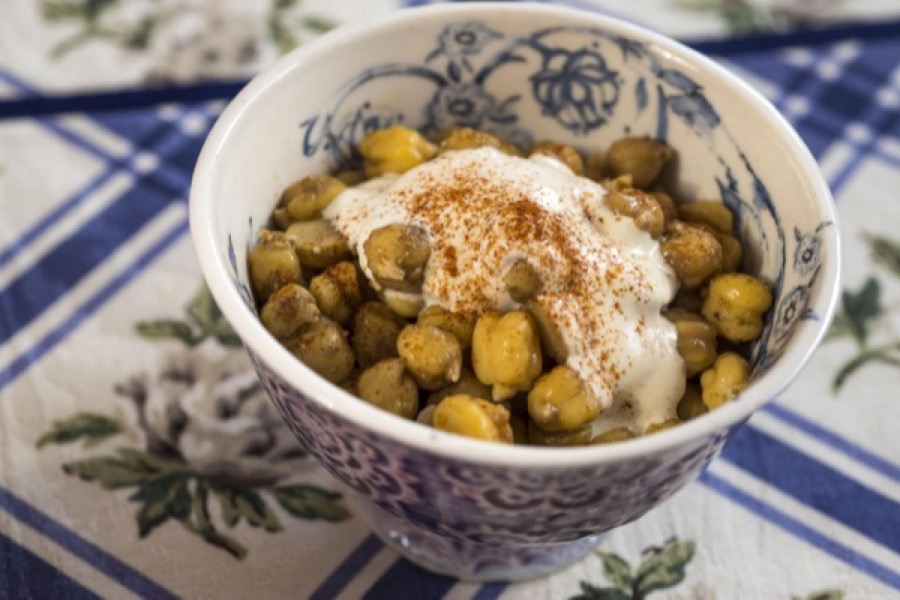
460, 506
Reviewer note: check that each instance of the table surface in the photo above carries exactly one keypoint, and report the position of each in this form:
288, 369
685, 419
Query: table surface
127, 467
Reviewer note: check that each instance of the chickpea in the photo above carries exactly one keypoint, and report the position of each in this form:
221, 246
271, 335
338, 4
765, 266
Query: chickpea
567, 155
306, 199
696, 340
461, 326
559, 402
506, 352
349, 385
473, 417
290, 307
519, 427
732, 252
661, 426
576, 437
667, 205
689, 300
394, 149
336, 291
468, 384
691, 404
736, 304
426, 415
708, 212
595, 166
318, 245
350, 176
272, 264
387, 385
396, 255
641, 157
724, 380
552, 341
466, 138
522, 281
375, 332
432, 356
323, 347
403, 304
610, 436
641, 207
692, 252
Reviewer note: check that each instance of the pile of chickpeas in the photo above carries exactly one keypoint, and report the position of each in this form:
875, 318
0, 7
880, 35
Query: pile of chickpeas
497, 377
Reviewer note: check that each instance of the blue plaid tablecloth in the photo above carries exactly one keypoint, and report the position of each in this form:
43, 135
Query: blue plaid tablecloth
138, 455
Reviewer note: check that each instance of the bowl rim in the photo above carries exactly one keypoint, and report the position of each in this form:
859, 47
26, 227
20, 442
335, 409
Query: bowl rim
803, 342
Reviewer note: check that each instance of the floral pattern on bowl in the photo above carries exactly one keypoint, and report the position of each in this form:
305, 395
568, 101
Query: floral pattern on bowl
580, 89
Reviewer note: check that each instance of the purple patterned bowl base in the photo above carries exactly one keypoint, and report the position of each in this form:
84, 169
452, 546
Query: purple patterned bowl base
484, 521
469, 560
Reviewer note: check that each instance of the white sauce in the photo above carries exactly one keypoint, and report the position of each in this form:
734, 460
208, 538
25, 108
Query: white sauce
605, 281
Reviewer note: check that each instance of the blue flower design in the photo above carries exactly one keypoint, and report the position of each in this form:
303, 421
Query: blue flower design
465, 39
790, 310
577, 88
807, 255
462, 104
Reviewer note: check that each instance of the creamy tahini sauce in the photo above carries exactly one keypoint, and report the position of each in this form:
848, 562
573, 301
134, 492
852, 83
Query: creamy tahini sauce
604, 280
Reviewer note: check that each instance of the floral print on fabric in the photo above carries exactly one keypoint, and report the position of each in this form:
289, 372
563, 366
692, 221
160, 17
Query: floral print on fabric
212, 442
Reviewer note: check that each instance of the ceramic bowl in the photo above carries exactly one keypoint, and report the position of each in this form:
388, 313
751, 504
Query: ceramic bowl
459, 506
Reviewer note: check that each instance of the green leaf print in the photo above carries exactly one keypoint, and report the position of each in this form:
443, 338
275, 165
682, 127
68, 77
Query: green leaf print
208, 322
616, 570
167, 480
590, 592
205, 311
171, 329
203, 526
310, 502
864, 312
110, 472
822, 595
162, 498
90, 428
253, 508
862, 308
886, 253
664, 568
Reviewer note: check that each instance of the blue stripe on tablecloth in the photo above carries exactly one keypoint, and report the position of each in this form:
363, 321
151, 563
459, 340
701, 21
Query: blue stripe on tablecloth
846, 447
869, 31
490, 591
882, 122
35, 105
24, 574
58, 212
824, 543
815, 485
60, 269
406, 580
348, 569
833, 102
24, 360
173, 181
104, 562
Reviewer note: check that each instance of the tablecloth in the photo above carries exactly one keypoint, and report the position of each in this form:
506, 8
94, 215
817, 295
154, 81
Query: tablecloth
138, 454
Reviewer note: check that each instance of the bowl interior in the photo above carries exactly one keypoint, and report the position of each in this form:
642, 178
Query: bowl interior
526, 73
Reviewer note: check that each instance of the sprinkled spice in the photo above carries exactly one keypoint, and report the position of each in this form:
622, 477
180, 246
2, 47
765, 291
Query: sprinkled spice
604, 281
